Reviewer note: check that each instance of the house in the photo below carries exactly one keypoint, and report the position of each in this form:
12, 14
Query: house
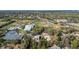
21, 17
16, 27
61, 20
76, 34
11, 28
46, 36
12, 35
37, 38
29, 27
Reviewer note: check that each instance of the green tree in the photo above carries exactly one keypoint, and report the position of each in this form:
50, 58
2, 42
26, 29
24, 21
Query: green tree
44, 43
33, 44
74, 44
24, 43
1, 41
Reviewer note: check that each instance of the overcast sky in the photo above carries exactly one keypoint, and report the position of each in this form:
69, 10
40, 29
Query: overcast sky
39, 5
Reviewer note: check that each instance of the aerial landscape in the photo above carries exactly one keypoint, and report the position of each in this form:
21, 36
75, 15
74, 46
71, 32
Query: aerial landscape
39, 29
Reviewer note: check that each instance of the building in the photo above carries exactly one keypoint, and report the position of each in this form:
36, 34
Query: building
12, 35
46, 36
29, 27
62, 20
15, 27
37, 38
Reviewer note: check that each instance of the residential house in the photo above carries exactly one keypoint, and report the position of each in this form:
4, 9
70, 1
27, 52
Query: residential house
46, 36
37, 38
15, 27
29, 27
12, 35
61, 20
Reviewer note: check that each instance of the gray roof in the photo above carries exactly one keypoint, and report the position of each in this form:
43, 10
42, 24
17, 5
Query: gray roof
12, 35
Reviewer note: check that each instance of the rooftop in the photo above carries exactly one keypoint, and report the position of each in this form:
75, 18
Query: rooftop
12, 35
29, 27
